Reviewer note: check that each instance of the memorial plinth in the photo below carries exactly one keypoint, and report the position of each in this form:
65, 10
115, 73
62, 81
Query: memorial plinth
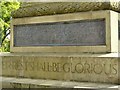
77, 42
71, 67
76, 32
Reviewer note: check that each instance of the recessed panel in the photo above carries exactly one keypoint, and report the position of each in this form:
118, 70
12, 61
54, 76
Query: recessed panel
119, 28
69, 33
119, 35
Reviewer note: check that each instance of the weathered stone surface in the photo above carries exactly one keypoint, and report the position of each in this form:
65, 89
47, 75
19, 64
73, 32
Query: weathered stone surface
95, 68
10, 82
59, 34
51, 8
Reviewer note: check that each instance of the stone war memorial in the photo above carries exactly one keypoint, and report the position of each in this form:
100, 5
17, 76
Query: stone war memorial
63, 45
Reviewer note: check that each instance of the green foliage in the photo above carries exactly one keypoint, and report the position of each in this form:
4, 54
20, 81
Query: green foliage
6, 7
5, 46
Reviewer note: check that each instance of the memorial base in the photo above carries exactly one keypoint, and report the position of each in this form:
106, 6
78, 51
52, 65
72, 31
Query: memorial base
97, 68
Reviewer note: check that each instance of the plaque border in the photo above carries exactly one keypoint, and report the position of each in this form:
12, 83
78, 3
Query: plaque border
111, 23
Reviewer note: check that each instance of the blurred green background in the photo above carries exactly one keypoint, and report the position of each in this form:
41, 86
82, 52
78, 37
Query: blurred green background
6, 8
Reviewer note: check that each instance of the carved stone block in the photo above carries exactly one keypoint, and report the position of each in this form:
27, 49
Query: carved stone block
51, 8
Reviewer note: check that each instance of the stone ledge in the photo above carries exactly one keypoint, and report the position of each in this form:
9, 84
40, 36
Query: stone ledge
10, 82
51, 8
62, 54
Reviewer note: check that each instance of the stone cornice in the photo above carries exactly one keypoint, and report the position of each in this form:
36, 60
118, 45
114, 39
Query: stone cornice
51, 8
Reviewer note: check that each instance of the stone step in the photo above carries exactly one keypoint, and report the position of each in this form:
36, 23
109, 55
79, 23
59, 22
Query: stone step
11, 82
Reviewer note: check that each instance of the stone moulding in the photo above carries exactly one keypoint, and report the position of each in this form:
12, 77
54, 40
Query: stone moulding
51, 8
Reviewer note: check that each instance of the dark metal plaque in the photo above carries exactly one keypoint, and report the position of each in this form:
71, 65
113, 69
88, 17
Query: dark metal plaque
72, 33
119, 36
119, 28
